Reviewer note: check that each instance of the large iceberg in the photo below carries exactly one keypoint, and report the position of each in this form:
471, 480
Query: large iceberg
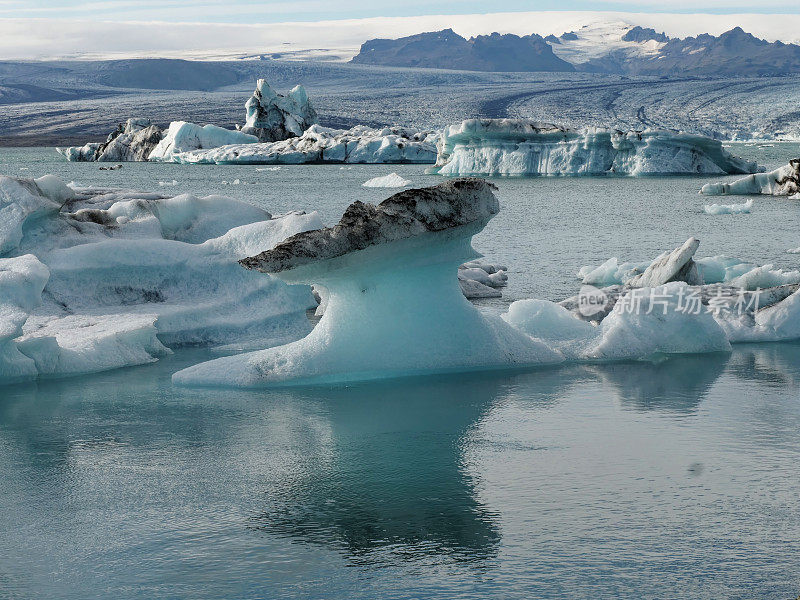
784, 181
521, 147
321, 144
133, 141
93, 279
272, 117
394, 307
184, 137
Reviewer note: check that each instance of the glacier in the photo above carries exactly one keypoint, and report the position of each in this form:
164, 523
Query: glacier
784, 181
93, 278
272, 117
499, 147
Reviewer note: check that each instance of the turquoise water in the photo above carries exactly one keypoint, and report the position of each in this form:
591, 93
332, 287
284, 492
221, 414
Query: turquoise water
679, 479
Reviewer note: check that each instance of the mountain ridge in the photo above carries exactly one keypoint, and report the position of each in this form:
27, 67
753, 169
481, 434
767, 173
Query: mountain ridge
613, 48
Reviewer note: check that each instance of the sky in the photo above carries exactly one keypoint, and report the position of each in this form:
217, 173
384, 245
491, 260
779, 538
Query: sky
48, 29
274, 11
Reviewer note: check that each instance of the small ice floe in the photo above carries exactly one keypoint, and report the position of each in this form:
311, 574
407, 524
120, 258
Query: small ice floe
793, 251
728, 209
479, 279
170, 183
234, 182
392, 180
269, 169
345, 168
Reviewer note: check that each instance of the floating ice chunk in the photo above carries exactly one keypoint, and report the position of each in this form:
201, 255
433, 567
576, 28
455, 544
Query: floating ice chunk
646, 322
14, 365
784, 181
793, 251
272, 117
778, 321
610, 272
20, 200
728, 209
269, 169
766, 276
475, 290
183, 137
653, 321
77, 344
392, 180
132, 141
22, 280
523, 147
166, 183
394, 307
550, 322
670, 266
680, 265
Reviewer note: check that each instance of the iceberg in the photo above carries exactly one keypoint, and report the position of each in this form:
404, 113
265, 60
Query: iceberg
321, 144
393, 307
132, 141
392, 180
649, 322
681, 265
784, 181
497, 147
272, 117
728, 209
108, 278
183, 137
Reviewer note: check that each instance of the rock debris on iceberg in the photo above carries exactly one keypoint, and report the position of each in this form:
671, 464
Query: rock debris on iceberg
499, 147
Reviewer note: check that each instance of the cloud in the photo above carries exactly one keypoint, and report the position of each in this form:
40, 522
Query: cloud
52, 38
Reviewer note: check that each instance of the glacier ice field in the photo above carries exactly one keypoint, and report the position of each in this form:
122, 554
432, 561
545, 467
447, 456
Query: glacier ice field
632, 479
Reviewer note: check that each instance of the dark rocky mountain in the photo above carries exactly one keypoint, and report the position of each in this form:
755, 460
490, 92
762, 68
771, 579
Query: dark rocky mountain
447, 50
621, 49
642, 34
735, 52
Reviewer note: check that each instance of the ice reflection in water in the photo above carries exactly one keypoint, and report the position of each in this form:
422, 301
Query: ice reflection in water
630, 480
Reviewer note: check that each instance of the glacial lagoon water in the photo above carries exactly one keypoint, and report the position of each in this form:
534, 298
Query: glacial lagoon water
674, 479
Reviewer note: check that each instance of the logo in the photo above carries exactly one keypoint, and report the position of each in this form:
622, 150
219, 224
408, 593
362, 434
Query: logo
591, 300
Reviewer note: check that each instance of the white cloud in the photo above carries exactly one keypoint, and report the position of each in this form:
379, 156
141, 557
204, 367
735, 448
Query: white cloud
49, 38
